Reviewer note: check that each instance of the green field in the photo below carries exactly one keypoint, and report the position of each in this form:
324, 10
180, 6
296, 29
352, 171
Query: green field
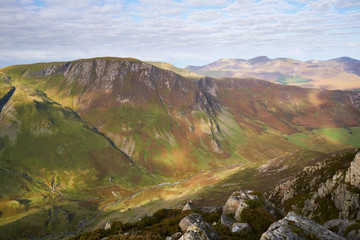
285, 79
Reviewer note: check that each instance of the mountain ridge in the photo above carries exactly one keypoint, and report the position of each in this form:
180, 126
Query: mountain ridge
314, 74
172, 127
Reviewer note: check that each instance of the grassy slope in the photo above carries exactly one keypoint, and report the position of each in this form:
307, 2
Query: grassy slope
51, 144
292, 80
159, 143
180, 71
244, 140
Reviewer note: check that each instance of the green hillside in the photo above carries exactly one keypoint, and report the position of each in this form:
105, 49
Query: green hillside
100, 138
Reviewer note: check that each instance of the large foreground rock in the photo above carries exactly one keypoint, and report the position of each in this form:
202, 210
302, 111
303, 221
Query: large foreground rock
200, 231
297, 227
190, 220
236, 199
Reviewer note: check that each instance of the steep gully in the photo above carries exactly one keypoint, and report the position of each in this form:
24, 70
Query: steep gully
6, 98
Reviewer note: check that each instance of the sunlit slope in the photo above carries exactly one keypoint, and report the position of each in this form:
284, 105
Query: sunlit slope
162, 120
266, 109
52, 144
180, 71
174, 126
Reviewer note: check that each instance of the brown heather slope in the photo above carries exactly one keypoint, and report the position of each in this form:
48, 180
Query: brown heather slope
287, 109
149, 113
340, 73
190, 133
173, 126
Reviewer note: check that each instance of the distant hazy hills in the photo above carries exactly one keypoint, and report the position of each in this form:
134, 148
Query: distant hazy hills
340, 73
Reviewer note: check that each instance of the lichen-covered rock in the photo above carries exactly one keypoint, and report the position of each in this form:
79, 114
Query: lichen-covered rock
213, 209
240, 227
324, 191
190, 220
189, 206
176, 235
235, 199
226, 220
297, 227
353, 235
346, 201
240, 209
352, 176
200, 231
338, 226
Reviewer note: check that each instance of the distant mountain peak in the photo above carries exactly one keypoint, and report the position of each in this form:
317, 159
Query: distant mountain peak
344, 59
260, 59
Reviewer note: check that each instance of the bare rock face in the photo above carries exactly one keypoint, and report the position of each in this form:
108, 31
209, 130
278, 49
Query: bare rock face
332, 184
346, 201
352, 176
200, 231
240, 227
240, 209
353, 235
107, 225
338, 226
237, 198
213, 209
297, 227
190, 220
189, 206
226, 220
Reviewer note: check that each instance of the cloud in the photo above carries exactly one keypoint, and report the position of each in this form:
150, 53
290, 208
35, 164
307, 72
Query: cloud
177, 31
352, 45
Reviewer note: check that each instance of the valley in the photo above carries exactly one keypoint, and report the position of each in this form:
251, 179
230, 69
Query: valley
90, 140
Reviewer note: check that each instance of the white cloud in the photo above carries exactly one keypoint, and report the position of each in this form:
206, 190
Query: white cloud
353, 45
177, 31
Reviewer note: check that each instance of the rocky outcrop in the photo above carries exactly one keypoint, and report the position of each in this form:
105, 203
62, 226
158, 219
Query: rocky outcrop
338, 226
107, 225
324, 191
352, 176
297, 227
212, 209
240, 227
175, 236
238, 200
200, 231
226, 220
195, 228
189, 206
346, 201
190, 220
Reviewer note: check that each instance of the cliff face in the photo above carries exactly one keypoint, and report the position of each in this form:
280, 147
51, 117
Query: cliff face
328, 190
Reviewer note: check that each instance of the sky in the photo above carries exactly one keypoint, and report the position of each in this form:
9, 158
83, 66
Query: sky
181, 32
